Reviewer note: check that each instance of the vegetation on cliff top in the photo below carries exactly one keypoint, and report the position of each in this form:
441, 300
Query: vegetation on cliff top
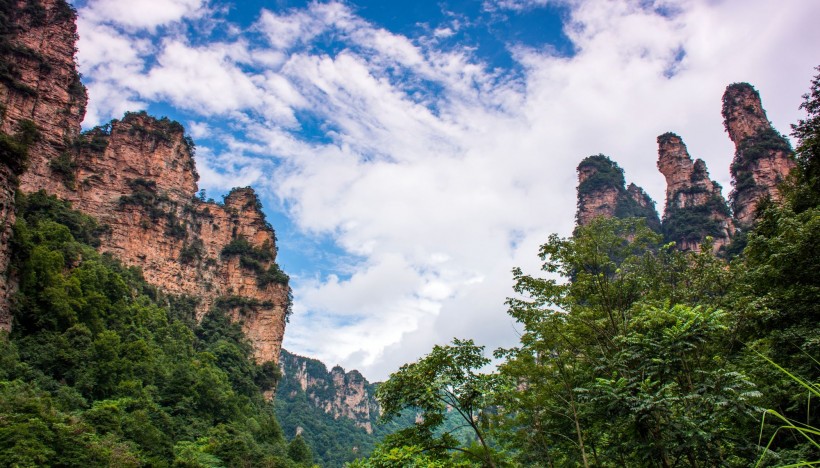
643, 355
604, 174
101, 370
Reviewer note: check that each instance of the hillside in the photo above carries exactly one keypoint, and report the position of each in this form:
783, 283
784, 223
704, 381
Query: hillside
137, 176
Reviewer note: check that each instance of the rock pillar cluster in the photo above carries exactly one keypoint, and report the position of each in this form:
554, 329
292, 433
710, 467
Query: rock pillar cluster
695, 207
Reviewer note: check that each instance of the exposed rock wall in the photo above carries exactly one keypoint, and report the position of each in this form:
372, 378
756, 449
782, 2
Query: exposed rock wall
13, 158
137, 177
695, 207
602, 191
7, 187
38, 82
338, 393
763, 157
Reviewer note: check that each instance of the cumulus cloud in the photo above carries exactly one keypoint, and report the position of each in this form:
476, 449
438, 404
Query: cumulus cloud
146, 14
435, 172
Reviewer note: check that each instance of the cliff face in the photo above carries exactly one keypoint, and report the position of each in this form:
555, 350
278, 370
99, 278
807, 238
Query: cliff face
695, 207
138, 178
337, 393
763, 157
37, 82
602, 191
13, 157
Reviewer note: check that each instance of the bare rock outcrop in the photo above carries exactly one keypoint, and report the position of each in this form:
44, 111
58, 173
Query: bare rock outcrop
336, 392
695, 207
763, 157
137, 176
602, 191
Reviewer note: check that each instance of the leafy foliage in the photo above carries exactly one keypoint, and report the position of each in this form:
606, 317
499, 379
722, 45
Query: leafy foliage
14, 148
97, 371
805, 190
253, 259
64, 166
144, 193
695, 223
604, 175
750, 150
447, 378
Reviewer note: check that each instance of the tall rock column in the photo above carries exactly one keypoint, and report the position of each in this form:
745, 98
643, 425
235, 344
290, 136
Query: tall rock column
695, 207
763, 157
602, 191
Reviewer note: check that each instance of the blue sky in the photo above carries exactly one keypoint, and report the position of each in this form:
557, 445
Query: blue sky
409, 154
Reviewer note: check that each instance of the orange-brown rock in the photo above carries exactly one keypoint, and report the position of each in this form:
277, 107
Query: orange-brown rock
763, 157
39, 83
352, 399
13, 156
138, 178
695, 207
7, 188
602, 191
338, 393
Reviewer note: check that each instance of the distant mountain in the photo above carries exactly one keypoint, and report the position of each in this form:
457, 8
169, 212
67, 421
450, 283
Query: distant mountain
336, 412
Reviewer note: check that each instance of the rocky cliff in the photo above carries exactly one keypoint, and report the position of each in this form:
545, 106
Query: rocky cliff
137, 176
695, 207
602, 191
763, 157
336, 392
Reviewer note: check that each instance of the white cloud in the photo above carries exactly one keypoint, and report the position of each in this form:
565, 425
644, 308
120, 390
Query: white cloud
437, 174
142, 14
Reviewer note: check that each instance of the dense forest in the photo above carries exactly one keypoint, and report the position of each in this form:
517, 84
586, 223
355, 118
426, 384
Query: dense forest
634, 353
102, 369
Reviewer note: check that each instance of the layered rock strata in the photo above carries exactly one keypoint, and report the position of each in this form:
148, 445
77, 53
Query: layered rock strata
602, 191
763, 157
695, 207
41, 102
137, 176
338, 393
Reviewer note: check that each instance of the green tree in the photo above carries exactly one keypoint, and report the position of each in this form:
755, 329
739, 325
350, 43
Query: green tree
299, 451
617, 365
777, 298
448, 378
98, 371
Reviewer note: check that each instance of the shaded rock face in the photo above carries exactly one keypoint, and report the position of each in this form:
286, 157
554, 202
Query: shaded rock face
7, 186
338, 393
763, 157
14, 151
138, 178
38, 83
602, 191
695, 207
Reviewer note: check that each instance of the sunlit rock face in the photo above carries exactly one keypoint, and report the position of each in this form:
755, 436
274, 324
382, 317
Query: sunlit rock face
602, 191
763, 157
338, 393
138, 177
695, 207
